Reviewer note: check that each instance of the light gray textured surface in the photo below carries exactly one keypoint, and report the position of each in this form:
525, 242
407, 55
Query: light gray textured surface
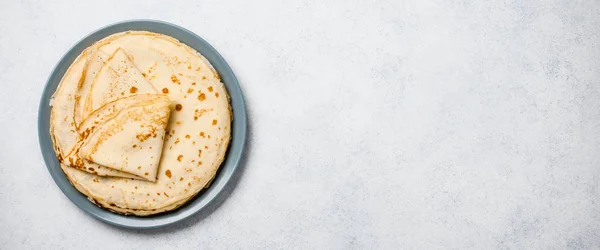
374, 124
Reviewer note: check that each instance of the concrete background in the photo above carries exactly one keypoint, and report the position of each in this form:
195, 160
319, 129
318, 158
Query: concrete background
374, 124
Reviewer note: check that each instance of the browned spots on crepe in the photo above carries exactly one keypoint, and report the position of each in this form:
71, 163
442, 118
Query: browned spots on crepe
202, 134
78, 162
198, 113
214, 122
168, 173
190, 90
181, 179
199, 163
175, 80
194, 84
139, 167
176, 140
133, 90
199, 152
217, 94
178, 107
143, 137
166, 194
203, 77
198, 69
210, 89
187, 136
202, 97
144, 74
146, 173
165, 90
134, 146
179, 158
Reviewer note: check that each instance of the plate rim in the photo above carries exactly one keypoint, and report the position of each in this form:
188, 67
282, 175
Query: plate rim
205, 197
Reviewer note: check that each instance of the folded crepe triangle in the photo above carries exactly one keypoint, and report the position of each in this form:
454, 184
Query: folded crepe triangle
127, 135
120, 118
118, 78
95, 60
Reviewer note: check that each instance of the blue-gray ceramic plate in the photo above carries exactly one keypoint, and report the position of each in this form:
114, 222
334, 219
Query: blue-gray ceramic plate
228, 167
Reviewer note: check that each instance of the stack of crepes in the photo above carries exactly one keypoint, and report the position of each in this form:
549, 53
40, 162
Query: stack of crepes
140, 123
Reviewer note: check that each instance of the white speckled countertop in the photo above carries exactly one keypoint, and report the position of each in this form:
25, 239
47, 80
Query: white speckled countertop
373, 124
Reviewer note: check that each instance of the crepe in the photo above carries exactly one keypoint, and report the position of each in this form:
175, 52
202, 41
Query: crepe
94, 62
129, 139
103, 76
117, 78
123, 133
198, 128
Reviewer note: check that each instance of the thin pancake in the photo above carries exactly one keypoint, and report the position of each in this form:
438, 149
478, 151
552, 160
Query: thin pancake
118, 78
63, 129
199, 126
94, 62
129, 140
101, 78
96, 121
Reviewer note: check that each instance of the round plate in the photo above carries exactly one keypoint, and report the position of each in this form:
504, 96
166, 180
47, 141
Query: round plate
228, 167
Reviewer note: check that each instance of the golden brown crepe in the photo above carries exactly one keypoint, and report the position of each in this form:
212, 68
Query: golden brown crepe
117, 78
129, 140
110, 75
95, 60
121, 133
198, 128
